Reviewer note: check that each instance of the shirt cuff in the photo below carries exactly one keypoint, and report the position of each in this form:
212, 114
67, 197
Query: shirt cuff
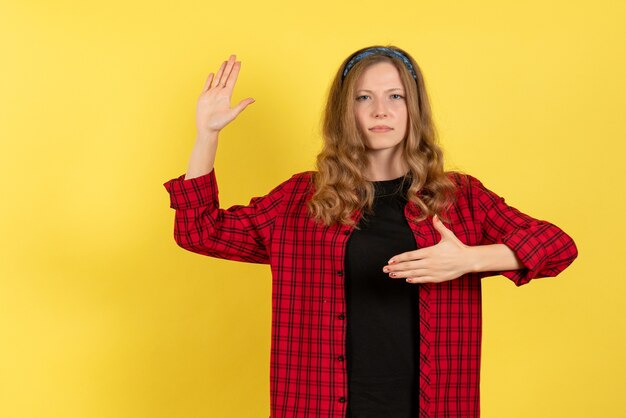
192, 193
530, 250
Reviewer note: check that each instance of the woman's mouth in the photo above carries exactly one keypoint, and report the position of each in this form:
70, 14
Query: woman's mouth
381, 128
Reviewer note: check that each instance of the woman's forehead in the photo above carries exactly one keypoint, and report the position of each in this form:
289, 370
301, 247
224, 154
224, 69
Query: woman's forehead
380, 75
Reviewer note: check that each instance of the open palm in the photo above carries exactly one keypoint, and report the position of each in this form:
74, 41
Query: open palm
213, 112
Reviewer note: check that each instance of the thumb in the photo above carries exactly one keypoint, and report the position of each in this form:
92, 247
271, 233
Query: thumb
242, 105
441, 228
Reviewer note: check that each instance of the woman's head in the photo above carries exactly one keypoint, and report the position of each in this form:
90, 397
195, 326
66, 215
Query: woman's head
341, 126
348, 140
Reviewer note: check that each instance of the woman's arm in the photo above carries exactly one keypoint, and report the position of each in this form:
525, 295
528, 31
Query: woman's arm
240, 232
450, 258
542, 247
202, 158
493, 257
513, 244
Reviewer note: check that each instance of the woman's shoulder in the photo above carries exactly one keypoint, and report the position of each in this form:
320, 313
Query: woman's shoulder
297, 183
301, 179
462, 179
467, 186
303, 176
470, 188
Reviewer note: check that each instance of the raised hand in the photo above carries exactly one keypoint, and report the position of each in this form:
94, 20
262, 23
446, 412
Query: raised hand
213, 112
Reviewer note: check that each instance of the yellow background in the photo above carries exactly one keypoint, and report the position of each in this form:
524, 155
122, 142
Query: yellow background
102, 315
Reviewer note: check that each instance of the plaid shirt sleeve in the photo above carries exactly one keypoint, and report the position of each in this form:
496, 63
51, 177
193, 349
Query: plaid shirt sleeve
544, 249
239, 233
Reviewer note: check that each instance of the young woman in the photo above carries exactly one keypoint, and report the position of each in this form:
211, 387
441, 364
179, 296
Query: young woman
376, 257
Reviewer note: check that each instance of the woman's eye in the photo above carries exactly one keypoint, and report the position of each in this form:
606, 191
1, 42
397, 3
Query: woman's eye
359, 98
397, 96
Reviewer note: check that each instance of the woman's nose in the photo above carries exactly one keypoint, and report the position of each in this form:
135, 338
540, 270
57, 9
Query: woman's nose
380, 109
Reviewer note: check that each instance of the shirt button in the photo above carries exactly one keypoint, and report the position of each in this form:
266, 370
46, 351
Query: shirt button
342, 399
341, 316
339, 272
340, 358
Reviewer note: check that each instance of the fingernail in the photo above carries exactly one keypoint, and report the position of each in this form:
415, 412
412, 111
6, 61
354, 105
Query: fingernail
391, 261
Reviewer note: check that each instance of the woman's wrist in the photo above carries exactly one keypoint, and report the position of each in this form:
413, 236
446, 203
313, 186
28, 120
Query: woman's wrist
203, 155
207, 136
493, 257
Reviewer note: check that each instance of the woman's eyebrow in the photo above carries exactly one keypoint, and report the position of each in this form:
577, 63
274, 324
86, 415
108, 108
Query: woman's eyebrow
386, 91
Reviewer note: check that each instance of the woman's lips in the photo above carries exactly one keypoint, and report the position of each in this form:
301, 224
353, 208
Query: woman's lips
381, 129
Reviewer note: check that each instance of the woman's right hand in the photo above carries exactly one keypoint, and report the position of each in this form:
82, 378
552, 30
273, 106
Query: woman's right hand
213, 111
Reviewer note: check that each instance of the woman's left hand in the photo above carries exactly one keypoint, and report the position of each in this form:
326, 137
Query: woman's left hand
446, 260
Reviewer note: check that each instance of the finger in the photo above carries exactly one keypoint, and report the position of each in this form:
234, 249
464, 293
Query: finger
218, 76
232, 77
425, 279
443, 230
207, 83
409, 273
406, 265
229, 67
409, 255
242, 105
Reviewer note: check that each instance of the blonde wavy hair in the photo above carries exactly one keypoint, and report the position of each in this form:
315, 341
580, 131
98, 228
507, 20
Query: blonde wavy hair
340, 187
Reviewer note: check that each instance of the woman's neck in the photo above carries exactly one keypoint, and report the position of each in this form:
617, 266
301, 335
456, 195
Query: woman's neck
385, 166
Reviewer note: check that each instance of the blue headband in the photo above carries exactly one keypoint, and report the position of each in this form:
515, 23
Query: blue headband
379, 50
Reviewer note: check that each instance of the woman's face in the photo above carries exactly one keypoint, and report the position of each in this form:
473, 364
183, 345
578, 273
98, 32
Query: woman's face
380, 107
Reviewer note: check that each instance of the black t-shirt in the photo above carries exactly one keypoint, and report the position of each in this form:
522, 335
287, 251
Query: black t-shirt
383, 334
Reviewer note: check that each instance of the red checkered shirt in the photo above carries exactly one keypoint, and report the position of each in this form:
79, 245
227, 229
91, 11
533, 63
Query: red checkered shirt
308, 377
